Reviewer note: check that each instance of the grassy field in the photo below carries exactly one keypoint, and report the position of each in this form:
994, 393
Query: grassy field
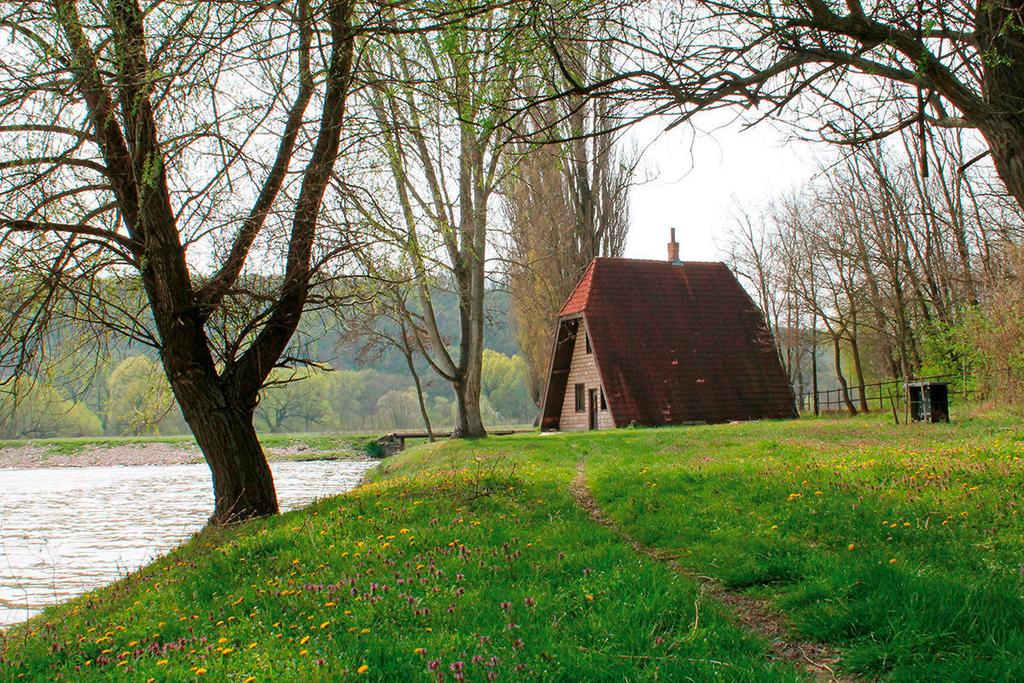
899, 546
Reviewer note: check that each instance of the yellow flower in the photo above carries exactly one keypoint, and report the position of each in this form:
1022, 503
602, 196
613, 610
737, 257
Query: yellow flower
304, 640
303, 652
892, 561
362, 669
163, 662
590, 598
200, 671
851, 546
250, 679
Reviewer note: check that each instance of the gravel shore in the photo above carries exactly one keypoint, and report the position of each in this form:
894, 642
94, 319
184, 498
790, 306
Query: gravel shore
34, 456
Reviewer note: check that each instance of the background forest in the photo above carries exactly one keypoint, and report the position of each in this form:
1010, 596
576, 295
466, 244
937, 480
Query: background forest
124, 391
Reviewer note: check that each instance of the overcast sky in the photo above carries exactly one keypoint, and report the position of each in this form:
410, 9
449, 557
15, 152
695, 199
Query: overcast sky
699, 174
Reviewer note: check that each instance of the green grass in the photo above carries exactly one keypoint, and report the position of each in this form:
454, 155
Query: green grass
454, 530
302, 597
902, 546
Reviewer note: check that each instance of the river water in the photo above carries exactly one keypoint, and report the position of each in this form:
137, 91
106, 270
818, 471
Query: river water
67, 530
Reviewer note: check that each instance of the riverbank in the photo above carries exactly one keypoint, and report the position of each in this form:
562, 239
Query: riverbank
701, 552
142, 451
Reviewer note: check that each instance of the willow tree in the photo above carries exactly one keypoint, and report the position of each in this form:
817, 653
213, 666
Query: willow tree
151, 155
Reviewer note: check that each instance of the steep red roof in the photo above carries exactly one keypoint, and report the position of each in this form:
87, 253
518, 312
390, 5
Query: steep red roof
578, 299
679, 343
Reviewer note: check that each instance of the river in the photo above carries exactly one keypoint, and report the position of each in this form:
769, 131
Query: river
67, 530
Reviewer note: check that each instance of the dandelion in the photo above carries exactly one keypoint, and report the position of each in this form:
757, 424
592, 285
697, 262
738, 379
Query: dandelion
892, 561
201, 671
362, 669
851, 546
590, 597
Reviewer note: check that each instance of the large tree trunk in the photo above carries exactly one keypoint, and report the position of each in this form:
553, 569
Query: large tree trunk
997, 31
243, 485
1005, 138
222, 422
468, 422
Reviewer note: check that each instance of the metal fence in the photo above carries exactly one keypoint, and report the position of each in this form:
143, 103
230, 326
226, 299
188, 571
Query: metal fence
887, 395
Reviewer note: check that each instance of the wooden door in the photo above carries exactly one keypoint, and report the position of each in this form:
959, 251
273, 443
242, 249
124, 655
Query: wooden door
592, 407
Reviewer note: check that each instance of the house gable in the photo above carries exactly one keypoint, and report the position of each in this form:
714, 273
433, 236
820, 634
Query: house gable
673, 343
571, 366
583, 373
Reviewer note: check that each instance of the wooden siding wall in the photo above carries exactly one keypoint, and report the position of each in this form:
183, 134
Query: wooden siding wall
582, 371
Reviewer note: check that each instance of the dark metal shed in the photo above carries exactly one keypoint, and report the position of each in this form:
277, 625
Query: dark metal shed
929, 401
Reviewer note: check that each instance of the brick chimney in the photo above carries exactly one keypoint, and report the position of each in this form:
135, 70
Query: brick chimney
673, 247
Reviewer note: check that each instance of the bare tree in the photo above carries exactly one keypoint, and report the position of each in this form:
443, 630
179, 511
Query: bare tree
852, 71
436, 105
889, 260
132, 138
758, 256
